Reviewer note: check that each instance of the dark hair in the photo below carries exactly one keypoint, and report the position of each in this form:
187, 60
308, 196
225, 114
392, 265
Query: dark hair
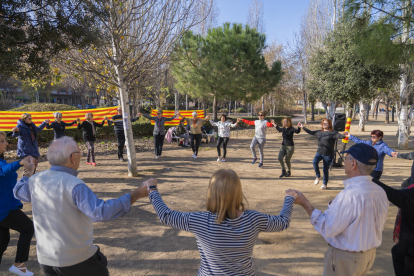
377, 133
224, 115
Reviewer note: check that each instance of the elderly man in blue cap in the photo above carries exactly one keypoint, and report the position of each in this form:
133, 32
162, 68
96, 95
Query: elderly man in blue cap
353, 223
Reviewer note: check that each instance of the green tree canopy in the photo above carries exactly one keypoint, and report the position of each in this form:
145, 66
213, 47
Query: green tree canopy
226, 64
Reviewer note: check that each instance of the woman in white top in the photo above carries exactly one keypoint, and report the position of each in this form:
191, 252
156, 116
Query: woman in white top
260, 135
226, 232
224, 135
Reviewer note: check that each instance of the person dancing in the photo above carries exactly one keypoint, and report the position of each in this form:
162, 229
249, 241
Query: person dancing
223, 135
58, 125
159, 130
288, 147
119, 131
259, 136
26, 132
381, 147
226, 232
326, 149
195, 124
89, 135
11, 217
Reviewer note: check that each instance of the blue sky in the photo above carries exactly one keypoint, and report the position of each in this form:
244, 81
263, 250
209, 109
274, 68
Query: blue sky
282, 17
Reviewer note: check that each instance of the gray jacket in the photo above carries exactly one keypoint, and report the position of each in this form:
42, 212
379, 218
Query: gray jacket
159, 123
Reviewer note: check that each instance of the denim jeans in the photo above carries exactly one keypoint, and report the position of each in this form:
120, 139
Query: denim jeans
327, 160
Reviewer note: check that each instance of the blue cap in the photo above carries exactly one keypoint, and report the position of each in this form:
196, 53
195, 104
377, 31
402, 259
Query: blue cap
363, 153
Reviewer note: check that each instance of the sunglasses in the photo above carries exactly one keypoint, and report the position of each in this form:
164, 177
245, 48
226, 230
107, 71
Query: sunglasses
261, 115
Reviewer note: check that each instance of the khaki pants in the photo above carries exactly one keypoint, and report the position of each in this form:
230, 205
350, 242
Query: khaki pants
345, 263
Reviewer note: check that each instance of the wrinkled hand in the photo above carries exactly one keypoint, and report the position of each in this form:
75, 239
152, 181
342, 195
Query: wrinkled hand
239, 120
150, 182
292, 193
301, 198
208, 118
300, 124
29, 165
15, 129
47, 121
346, 133
394, 154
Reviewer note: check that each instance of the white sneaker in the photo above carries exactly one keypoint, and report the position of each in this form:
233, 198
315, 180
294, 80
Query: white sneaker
323, 187
195, 156
156, 157
218, 159
15, 270
223, 160
316, 181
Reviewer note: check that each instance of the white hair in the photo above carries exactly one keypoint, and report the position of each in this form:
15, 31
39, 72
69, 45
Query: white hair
195, 113
364, 168
57, 115
60, 150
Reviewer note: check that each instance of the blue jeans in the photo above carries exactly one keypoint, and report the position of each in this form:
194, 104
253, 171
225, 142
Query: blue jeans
327, 160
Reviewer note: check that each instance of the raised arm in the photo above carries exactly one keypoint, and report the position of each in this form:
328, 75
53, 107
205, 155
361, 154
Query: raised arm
6, 169
167, 216
149, 117
70, 124
314, 132
403, 199
280, 222
80, 124
213, 123
296, 130
409, 155
278, 128
170, 119
340, 136
248, 122
99, 124
42, 126
49, 126
388, 150
358, 141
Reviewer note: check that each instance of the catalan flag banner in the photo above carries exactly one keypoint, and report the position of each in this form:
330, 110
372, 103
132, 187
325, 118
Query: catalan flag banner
9, 119
347, 128
170, 113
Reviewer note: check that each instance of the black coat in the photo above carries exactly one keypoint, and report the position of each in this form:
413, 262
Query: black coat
87, 131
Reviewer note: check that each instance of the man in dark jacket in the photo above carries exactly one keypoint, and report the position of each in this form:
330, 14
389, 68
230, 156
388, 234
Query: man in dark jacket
403, 251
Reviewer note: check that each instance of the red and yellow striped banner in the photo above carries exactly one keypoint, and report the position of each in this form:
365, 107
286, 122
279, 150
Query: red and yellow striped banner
170, 113
9, 119
347, 128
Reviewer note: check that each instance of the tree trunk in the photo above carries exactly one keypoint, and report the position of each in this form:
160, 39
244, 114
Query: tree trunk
367, 112
263, 108
305, 118
186, 102
387, 112
177, 101
392, 112
215, 109
229, 108
204, 107
376, 110
123, 94
361, 116
313, 111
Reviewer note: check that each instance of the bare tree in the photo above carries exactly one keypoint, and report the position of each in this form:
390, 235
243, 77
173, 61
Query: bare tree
137, 36
255, 17
207, 13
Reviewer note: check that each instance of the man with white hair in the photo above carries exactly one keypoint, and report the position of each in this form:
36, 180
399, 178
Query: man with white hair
353, 223
63, 211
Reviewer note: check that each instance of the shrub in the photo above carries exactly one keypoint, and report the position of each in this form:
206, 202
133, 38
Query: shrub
241, 110
41, 107
210, 109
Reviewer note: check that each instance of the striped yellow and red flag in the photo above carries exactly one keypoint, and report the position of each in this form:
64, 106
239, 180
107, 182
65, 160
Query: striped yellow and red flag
9, 119
347, 128
170, 113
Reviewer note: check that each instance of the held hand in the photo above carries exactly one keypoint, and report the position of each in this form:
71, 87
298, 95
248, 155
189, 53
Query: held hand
30, 166
272, 121
25, 160
139, 115
239, 120
78, 120
106, 118
346, 133
300, 124
300, 199
151, 184
15, 129
292, 193
208, 118
47, 121
141, 191
394, 154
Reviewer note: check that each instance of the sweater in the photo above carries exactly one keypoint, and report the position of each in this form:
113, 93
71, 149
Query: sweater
26, 145
159, 123
87, 132
118, 122
8, 179
195, 129
403, 199
260, 127
409, 156
326, 140
59, 128
226, 248
64, 234
287, 134
223, 128
381, 147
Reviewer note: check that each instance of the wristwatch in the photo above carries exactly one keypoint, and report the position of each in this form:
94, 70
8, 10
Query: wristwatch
153, 188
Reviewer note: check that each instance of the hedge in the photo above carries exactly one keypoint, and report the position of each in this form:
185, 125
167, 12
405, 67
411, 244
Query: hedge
39, 107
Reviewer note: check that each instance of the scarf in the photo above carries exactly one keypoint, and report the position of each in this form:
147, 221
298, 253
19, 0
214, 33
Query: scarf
32, 131
93, 127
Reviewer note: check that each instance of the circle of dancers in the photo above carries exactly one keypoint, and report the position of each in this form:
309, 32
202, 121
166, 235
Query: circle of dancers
64, 208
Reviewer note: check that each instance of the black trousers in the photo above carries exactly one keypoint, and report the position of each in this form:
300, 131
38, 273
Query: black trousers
120, 137
376, 175
195, 140
158, 143
94, 266
224, 141
403, 263
91, 151
18, 221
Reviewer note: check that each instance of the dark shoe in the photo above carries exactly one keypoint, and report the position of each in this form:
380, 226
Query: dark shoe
288, 174
260, 165
283, 174
254, 160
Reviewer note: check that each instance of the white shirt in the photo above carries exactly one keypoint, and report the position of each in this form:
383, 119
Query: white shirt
260, 128
355, 219
223, 128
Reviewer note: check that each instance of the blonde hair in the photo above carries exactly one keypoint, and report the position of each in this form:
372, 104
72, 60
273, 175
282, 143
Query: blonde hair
57, 115
224, 195
24, 116
289, 121
88, 115
3, 133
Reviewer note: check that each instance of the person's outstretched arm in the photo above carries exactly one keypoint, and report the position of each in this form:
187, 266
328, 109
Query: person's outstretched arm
42, 126
70, 124
296, 130
280, 222
99, 124
359, 141
213, 123
409, 155
314, 132
388, 150
248, 122
80, 124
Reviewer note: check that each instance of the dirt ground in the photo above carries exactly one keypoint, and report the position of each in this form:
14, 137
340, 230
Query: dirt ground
138, 244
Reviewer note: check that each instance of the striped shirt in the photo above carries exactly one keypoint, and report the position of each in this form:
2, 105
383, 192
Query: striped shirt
118, 122
356, 217
225, 248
